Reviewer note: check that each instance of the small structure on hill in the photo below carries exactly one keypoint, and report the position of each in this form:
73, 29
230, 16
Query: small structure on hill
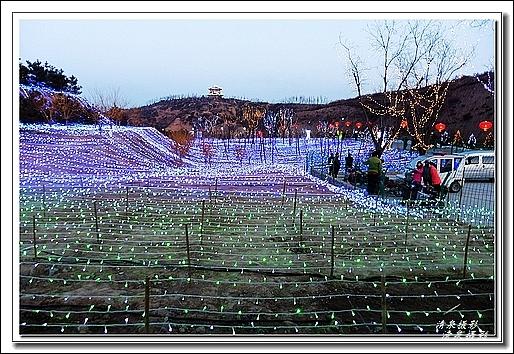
215, 91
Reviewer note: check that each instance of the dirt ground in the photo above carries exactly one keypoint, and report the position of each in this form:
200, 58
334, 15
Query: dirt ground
246, 266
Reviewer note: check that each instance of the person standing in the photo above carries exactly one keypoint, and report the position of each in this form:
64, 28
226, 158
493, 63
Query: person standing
417, 176
331, 164
336, 165
431, 178
374, 171
348, 162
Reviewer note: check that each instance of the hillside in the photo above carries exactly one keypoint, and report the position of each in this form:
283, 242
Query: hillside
467, 104
57, 153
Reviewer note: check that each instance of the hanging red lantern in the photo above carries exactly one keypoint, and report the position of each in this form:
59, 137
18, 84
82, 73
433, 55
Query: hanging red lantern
347, 123
336, 124
485, 125
440, 127
358, 125
403, 124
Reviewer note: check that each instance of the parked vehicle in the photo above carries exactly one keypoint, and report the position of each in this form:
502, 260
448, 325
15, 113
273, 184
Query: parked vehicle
447, 166
479, 165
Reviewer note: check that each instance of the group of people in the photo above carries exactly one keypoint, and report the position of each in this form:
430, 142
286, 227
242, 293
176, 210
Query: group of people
425, 175
334, 164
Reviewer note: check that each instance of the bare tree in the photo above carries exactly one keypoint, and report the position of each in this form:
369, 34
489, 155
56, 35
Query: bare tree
412, 57
270, 122
252, 116
285, 121
487, 82
66, 106
428, 82
111, 103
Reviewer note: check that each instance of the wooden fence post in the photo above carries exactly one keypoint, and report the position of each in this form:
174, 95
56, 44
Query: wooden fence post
466, 254
34, 235
126, 201
375, 211
294, 204
201, 221
384, 305
332, 253
44, 201
461, 190
301, 225
215, 190
188, 253
284, 193
96, 223
147, 305
407, 221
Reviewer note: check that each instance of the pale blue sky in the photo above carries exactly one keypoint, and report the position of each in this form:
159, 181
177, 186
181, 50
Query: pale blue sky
258, 59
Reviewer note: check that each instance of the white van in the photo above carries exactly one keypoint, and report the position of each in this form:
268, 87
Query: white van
478, 165
447, 166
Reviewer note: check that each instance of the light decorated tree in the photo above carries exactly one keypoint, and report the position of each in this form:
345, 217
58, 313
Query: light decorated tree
240, 153
285, 121
489, 140
270, 122
428, 81
252, 116
417, 61
457, 139
386, 109
207, 151
487, 81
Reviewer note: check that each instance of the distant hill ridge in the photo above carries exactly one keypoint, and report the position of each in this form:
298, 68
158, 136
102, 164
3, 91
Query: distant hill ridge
467, 103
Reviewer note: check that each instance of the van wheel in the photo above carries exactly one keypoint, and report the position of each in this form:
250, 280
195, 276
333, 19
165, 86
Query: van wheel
455, 187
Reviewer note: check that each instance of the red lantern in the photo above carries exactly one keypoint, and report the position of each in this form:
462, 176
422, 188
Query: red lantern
485, 125
337, 124
440, 127
403, 124
358, 125
347, 123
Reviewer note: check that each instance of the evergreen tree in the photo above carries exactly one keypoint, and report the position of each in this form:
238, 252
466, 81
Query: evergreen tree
46, 74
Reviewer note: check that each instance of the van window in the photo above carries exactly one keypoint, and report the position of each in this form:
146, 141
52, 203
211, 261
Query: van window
446, 165
488, 160
456, 163
472, 160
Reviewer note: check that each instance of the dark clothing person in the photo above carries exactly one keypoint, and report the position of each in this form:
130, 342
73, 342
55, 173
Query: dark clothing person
348, 162
373, 179
336, 166
427, 178
374, 172
331, 165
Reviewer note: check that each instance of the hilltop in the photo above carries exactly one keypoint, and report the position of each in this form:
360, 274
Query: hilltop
467, 103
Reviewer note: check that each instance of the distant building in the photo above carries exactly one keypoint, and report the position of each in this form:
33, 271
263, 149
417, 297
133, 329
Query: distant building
215, 91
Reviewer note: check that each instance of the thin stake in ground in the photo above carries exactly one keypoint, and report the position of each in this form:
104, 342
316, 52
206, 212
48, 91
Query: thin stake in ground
465, 267
147, 305
34, 235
